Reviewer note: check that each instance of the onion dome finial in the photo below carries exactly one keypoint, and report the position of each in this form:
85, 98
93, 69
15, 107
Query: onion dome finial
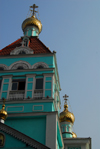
32, 26
3, 113
66, 116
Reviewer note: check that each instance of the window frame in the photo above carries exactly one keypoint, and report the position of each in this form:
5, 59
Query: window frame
36, 83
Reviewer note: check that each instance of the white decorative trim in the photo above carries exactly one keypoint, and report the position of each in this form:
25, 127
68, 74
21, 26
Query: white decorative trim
17, 50
4, 66
23, 64
44, 65
37, 106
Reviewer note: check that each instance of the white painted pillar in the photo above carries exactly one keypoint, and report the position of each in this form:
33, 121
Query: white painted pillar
51, 131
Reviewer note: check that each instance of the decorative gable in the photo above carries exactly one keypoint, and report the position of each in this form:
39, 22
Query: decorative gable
35, 46
21, 50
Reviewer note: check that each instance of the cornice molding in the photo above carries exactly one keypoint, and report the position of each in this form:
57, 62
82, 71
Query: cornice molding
28, 55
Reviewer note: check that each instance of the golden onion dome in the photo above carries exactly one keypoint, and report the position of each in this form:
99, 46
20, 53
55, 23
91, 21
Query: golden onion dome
66, 116
74, 135
32, 21
3, 113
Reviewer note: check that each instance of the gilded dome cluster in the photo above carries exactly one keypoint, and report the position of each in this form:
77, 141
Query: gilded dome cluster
32, 21
66, 116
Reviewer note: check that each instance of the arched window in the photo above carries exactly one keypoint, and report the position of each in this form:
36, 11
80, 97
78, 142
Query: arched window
20, 67
1, 68
22, 52
40, 67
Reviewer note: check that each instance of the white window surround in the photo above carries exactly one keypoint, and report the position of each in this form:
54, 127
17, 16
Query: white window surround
17, 64
4, 66
17, 50
44, 65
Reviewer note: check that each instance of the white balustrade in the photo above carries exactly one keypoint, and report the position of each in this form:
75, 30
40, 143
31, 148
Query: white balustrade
13, 95
38, 93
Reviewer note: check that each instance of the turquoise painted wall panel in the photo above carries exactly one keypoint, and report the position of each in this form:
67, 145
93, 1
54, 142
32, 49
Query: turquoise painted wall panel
29, 32
48, 85
66, 135
30, 79
6, 80
34, 33
36, 123
48, 93
32, 60
11, 142
38, 108
28, 107
29, 93
5, 87
48, 78
4, 95
15, 109
29, 86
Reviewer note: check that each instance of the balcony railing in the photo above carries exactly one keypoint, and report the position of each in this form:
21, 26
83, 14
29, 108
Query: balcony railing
20, 94
13, 95
38, 93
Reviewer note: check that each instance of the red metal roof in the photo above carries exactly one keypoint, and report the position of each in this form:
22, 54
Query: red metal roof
35, 44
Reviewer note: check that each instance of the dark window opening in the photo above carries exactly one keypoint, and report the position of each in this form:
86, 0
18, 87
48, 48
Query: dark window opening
18, 84
1, 68
22, 52
39, 67
20, 67
39, 84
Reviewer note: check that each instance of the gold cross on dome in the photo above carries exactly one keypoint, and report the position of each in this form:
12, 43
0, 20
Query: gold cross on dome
34, 6
65, 98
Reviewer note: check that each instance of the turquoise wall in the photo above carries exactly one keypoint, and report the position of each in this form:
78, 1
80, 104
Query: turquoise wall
67, 135
34, 127
29, 107
31, 31
32, 60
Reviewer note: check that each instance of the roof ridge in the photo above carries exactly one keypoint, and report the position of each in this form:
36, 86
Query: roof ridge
21, 136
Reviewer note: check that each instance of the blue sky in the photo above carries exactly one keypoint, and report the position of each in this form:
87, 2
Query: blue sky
72, 29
